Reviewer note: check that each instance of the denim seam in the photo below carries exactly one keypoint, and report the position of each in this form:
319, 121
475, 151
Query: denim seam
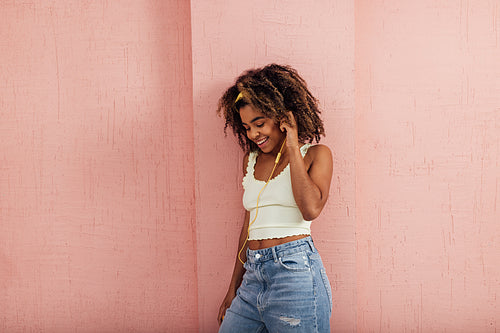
327, 287
315, 288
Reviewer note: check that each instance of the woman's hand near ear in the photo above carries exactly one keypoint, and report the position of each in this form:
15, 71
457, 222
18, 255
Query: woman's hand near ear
311, 183
289, 125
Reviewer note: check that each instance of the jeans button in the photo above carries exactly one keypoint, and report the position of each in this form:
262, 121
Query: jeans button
257, 256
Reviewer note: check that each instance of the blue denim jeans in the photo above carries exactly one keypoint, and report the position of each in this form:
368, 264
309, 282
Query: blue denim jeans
284, 289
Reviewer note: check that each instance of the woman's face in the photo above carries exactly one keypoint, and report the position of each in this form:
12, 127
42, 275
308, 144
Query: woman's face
262, 130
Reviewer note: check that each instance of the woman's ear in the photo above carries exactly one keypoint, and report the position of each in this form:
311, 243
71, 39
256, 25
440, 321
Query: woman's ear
283, 122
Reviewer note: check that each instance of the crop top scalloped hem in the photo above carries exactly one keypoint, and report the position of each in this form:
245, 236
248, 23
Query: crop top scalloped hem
279, 215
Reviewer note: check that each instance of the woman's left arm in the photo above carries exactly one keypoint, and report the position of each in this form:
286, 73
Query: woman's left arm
310, 184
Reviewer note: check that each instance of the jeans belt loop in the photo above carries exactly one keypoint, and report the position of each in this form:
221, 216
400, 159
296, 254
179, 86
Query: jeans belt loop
311, 244
275, 256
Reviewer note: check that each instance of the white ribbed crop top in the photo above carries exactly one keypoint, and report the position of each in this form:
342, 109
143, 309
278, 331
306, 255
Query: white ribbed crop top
278, 214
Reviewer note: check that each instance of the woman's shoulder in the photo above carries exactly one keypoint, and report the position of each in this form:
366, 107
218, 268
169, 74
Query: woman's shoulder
319, 150
319, 153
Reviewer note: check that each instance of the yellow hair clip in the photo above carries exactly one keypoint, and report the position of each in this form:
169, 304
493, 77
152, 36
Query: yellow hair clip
240, 96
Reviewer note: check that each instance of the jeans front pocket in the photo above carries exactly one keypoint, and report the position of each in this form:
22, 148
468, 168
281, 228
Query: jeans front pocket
298, 262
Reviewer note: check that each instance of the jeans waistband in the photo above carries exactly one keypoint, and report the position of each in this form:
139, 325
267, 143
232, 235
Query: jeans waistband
273, 253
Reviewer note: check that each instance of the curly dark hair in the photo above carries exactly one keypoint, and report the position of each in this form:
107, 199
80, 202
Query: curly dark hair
273, 90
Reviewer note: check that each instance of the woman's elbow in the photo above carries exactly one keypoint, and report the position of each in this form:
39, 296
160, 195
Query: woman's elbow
311, 213
312, 209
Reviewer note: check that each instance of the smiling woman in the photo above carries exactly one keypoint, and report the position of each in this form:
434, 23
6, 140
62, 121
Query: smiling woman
282, 285
260, 129
273, 91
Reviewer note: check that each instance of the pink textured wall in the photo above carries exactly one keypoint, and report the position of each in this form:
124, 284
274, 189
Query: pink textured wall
96, 167
318, 40
428, 166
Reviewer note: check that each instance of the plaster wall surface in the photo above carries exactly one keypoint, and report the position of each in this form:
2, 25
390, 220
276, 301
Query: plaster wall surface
427, 166
96, 167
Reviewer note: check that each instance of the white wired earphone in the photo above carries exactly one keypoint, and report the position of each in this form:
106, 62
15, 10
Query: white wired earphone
257, 206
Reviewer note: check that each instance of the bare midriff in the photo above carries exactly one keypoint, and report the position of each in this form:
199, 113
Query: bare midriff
265, 243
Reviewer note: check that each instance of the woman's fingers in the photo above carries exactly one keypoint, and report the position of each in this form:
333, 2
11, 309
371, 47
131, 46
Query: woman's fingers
222, 312
292, 118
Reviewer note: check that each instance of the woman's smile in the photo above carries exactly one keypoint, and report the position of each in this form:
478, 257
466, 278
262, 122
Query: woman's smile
261, 142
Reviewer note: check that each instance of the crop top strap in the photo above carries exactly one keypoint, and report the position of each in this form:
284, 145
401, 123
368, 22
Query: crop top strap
252, 157
304, 148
